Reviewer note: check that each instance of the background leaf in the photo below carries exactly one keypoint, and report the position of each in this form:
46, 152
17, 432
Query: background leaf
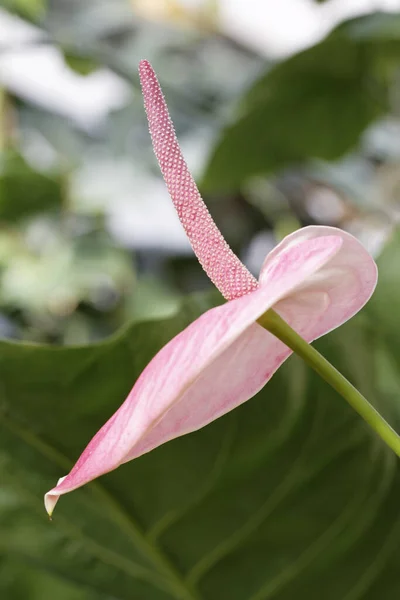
25, 192
29, 9
314, 104
286, 495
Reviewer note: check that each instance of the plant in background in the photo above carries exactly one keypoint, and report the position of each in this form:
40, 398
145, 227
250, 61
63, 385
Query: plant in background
312, 282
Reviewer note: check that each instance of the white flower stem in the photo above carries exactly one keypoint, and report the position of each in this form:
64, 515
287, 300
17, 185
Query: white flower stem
279, 328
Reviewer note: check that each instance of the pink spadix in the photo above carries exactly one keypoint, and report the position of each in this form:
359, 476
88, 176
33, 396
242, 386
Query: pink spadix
315, 279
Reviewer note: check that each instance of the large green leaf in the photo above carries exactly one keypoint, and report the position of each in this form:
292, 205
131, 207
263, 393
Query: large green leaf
384, 313
314, 104
383, 305
290, 496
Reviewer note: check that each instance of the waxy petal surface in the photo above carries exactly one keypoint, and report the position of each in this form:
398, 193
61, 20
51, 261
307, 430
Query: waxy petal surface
218, 362
347, 281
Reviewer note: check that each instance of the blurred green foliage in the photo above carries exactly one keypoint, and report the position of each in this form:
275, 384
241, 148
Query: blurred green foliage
25, 192
290, 496
314, 104
30, 9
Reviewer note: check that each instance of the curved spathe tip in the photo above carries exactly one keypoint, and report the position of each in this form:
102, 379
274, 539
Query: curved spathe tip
51, 498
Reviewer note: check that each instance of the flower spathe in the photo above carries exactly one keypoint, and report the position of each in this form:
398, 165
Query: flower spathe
315, 279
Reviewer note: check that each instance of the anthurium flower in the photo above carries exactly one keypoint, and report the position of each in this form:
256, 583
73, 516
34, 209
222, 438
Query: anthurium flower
315, 279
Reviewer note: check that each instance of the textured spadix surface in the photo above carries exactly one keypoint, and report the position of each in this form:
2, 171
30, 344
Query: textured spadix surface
316, 279
222, 266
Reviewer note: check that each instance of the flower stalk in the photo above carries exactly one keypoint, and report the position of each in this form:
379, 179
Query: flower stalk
273, 323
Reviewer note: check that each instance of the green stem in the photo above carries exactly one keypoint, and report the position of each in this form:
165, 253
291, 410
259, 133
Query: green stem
279, 328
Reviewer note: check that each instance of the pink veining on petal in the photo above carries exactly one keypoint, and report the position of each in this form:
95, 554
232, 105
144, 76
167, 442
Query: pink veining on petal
222, 266
218, 362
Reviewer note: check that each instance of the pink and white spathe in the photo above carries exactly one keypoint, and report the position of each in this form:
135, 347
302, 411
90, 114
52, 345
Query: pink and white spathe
316, 279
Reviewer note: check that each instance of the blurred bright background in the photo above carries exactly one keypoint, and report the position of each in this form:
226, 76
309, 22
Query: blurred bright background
288, 113
89, 238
